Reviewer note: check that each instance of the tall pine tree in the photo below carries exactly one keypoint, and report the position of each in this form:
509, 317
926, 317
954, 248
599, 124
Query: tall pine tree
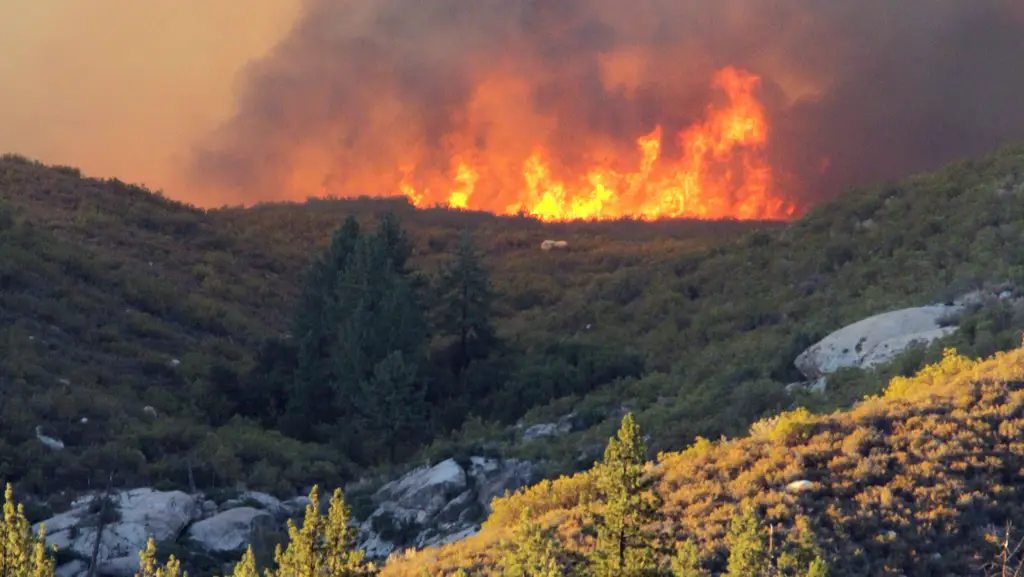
381, 316
315, 334
395, 405
466, 296
360, 305
624, 544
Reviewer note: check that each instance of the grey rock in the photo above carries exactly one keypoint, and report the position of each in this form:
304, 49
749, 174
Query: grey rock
258, 500
442, 503
231, 530
875, 340
564, 426
143, 513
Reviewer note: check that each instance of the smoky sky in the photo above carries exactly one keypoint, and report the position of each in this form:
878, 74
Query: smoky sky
855, 91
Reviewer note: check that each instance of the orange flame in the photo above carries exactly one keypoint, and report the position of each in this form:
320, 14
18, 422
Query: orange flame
721, 172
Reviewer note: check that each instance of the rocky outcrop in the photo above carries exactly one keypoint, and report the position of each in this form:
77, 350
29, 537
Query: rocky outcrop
439, 504
875, 340
132, 518
232, 530
562, 427
428, 506
280, 510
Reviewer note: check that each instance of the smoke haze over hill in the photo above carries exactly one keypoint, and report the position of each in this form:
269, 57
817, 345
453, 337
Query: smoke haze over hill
451, 100
359, 92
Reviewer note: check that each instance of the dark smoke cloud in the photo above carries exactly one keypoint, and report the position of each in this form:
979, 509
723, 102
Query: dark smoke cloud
880, 88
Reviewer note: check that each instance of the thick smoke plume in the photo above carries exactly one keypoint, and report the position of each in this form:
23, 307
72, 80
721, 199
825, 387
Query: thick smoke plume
365, 95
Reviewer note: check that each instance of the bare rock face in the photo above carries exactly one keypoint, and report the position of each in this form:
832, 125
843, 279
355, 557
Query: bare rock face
135, 516
439, 504
875, 340
232, 530
560, 428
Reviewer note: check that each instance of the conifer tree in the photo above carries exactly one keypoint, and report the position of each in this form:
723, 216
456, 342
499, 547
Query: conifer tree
246, 566
395, 240
466, 295
384, 318
148, 566
396, 407
22, 554
748, 549
324, 545
359, 306
687, 562
624, 546
533, 551
315, 333
803, 557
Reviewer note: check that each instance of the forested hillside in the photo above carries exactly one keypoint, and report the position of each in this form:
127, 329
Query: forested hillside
115, 299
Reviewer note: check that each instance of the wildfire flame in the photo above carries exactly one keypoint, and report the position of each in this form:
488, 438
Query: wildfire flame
721, 172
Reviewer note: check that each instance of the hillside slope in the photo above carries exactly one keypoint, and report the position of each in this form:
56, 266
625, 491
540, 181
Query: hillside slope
104, 286
918, 481
113, 299
725, 326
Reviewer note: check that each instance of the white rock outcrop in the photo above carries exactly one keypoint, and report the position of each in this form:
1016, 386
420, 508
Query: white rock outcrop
439, 504
142, 513
231, 530
428, 506
422, 493
875, 340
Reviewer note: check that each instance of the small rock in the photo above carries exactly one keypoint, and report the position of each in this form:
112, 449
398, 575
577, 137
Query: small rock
539, 431
259, 500
55, 444
208, 508
799, 486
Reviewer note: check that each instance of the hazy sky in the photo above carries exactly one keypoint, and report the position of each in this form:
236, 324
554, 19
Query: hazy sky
124, 87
